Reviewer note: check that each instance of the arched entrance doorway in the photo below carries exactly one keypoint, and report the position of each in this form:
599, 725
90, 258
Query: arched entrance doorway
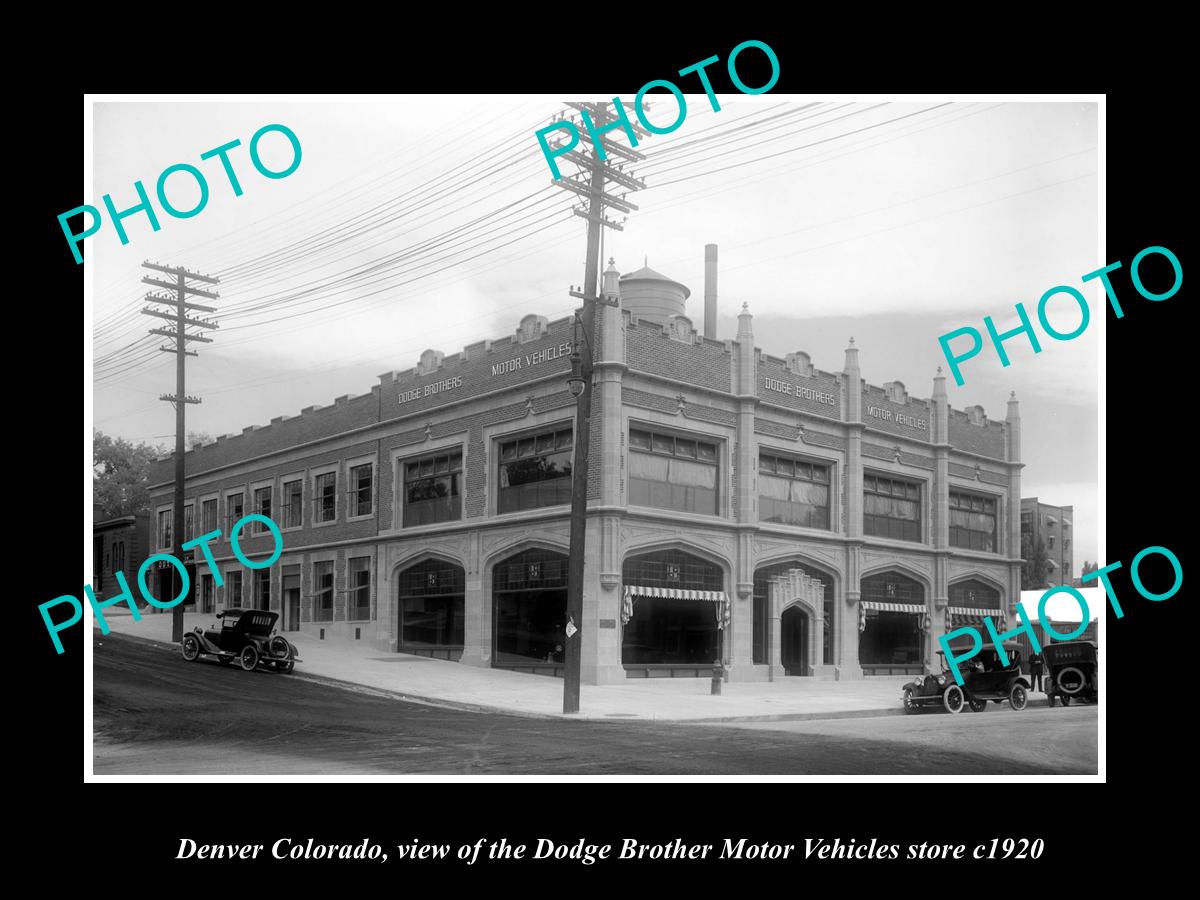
431, 601
793, 641
673, 611
529, 603
762, 579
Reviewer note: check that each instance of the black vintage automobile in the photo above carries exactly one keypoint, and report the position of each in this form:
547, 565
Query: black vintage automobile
1071, 672
247, 635
984, 676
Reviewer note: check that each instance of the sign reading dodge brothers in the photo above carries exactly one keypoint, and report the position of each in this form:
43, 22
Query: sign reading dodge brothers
504, 367
795, 390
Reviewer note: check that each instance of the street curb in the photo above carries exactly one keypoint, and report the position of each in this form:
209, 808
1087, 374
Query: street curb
602, 718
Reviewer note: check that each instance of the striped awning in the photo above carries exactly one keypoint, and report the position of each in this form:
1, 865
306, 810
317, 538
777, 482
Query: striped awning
720, 598
958, 616
918, 608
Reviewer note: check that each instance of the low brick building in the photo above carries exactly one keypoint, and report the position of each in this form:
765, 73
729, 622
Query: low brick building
789, 519
118, 545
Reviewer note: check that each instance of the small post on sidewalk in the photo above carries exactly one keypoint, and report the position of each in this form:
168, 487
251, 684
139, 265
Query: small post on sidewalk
718, 675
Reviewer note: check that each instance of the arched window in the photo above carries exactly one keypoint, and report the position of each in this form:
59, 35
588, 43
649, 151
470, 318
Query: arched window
891, 639
675, 601
529, 594
431, 609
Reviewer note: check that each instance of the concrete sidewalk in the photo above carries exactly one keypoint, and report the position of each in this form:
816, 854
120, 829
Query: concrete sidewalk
359, 666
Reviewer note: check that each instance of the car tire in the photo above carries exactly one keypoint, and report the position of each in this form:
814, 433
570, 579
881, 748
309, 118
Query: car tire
191, 647
953, 699
287, 667
910, 703
248, 658
977, 705
279, 646
1018, 697
1078, 685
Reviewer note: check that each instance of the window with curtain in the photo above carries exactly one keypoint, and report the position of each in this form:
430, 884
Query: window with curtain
325, 497
208, 515
293, 493
891, 508
535, 471
361, 478
164, 529
262, 506
793, 492
672, 472
433, 489
233, 510
972, 522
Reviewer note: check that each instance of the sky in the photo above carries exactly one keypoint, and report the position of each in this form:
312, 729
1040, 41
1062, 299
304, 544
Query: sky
432, 222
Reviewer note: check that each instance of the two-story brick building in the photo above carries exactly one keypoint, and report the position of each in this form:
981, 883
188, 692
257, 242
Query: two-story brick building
792, 520
1050, 526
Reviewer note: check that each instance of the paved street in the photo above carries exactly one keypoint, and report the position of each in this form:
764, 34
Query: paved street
156, 714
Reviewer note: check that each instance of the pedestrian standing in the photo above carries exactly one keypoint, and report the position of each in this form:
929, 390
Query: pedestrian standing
1036, 667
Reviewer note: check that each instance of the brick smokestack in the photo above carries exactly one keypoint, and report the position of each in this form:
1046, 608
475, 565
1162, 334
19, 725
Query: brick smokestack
710, 291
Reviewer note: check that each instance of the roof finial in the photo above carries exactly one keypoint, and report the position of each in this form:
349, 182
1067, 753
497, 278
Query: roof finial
939, 371
1012, 396
612, 261
745, 306
851, 342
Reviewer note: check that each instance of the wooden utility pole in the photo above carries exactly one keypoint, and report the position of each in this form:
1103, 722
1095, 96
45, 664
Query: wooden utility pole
595, 170
179, 318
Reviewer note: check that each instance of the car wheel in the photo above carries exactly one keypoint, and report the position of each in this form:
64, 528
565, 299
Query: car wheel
953, 699
191, 647
1071, 680
249, 657
1018, 697
279, 645
977, 705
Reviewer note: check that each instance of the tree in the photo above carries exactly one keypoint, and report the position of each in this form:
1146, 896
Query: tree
1089, 567
121, 473
1035, 571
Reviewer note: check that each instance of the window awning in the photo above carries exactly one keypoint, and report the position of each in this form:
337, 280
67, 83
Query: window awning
1052, 564
958, 616
720, 598
917, 608
1050, 520
1066, 522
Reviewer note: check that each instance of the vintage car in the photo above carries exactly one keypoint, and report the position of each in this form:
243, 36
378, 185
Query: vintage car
1071, 672
247, 635
984, 676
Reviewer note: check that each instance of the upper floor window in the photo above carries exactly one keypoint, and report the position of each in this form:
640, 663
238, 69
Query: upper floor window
325, 497
535, 471
262, 505
208, 515
360, 489
189, 520
293, 494
234, 509
973, 522
164, 528
433, 489
793, 492
891, 508
672, 472
1050, 542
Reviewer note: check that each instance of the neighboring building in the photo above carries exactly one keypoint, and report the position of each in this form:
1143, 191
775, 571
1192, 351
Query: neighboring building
1053, 527
787, 519
118, 545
